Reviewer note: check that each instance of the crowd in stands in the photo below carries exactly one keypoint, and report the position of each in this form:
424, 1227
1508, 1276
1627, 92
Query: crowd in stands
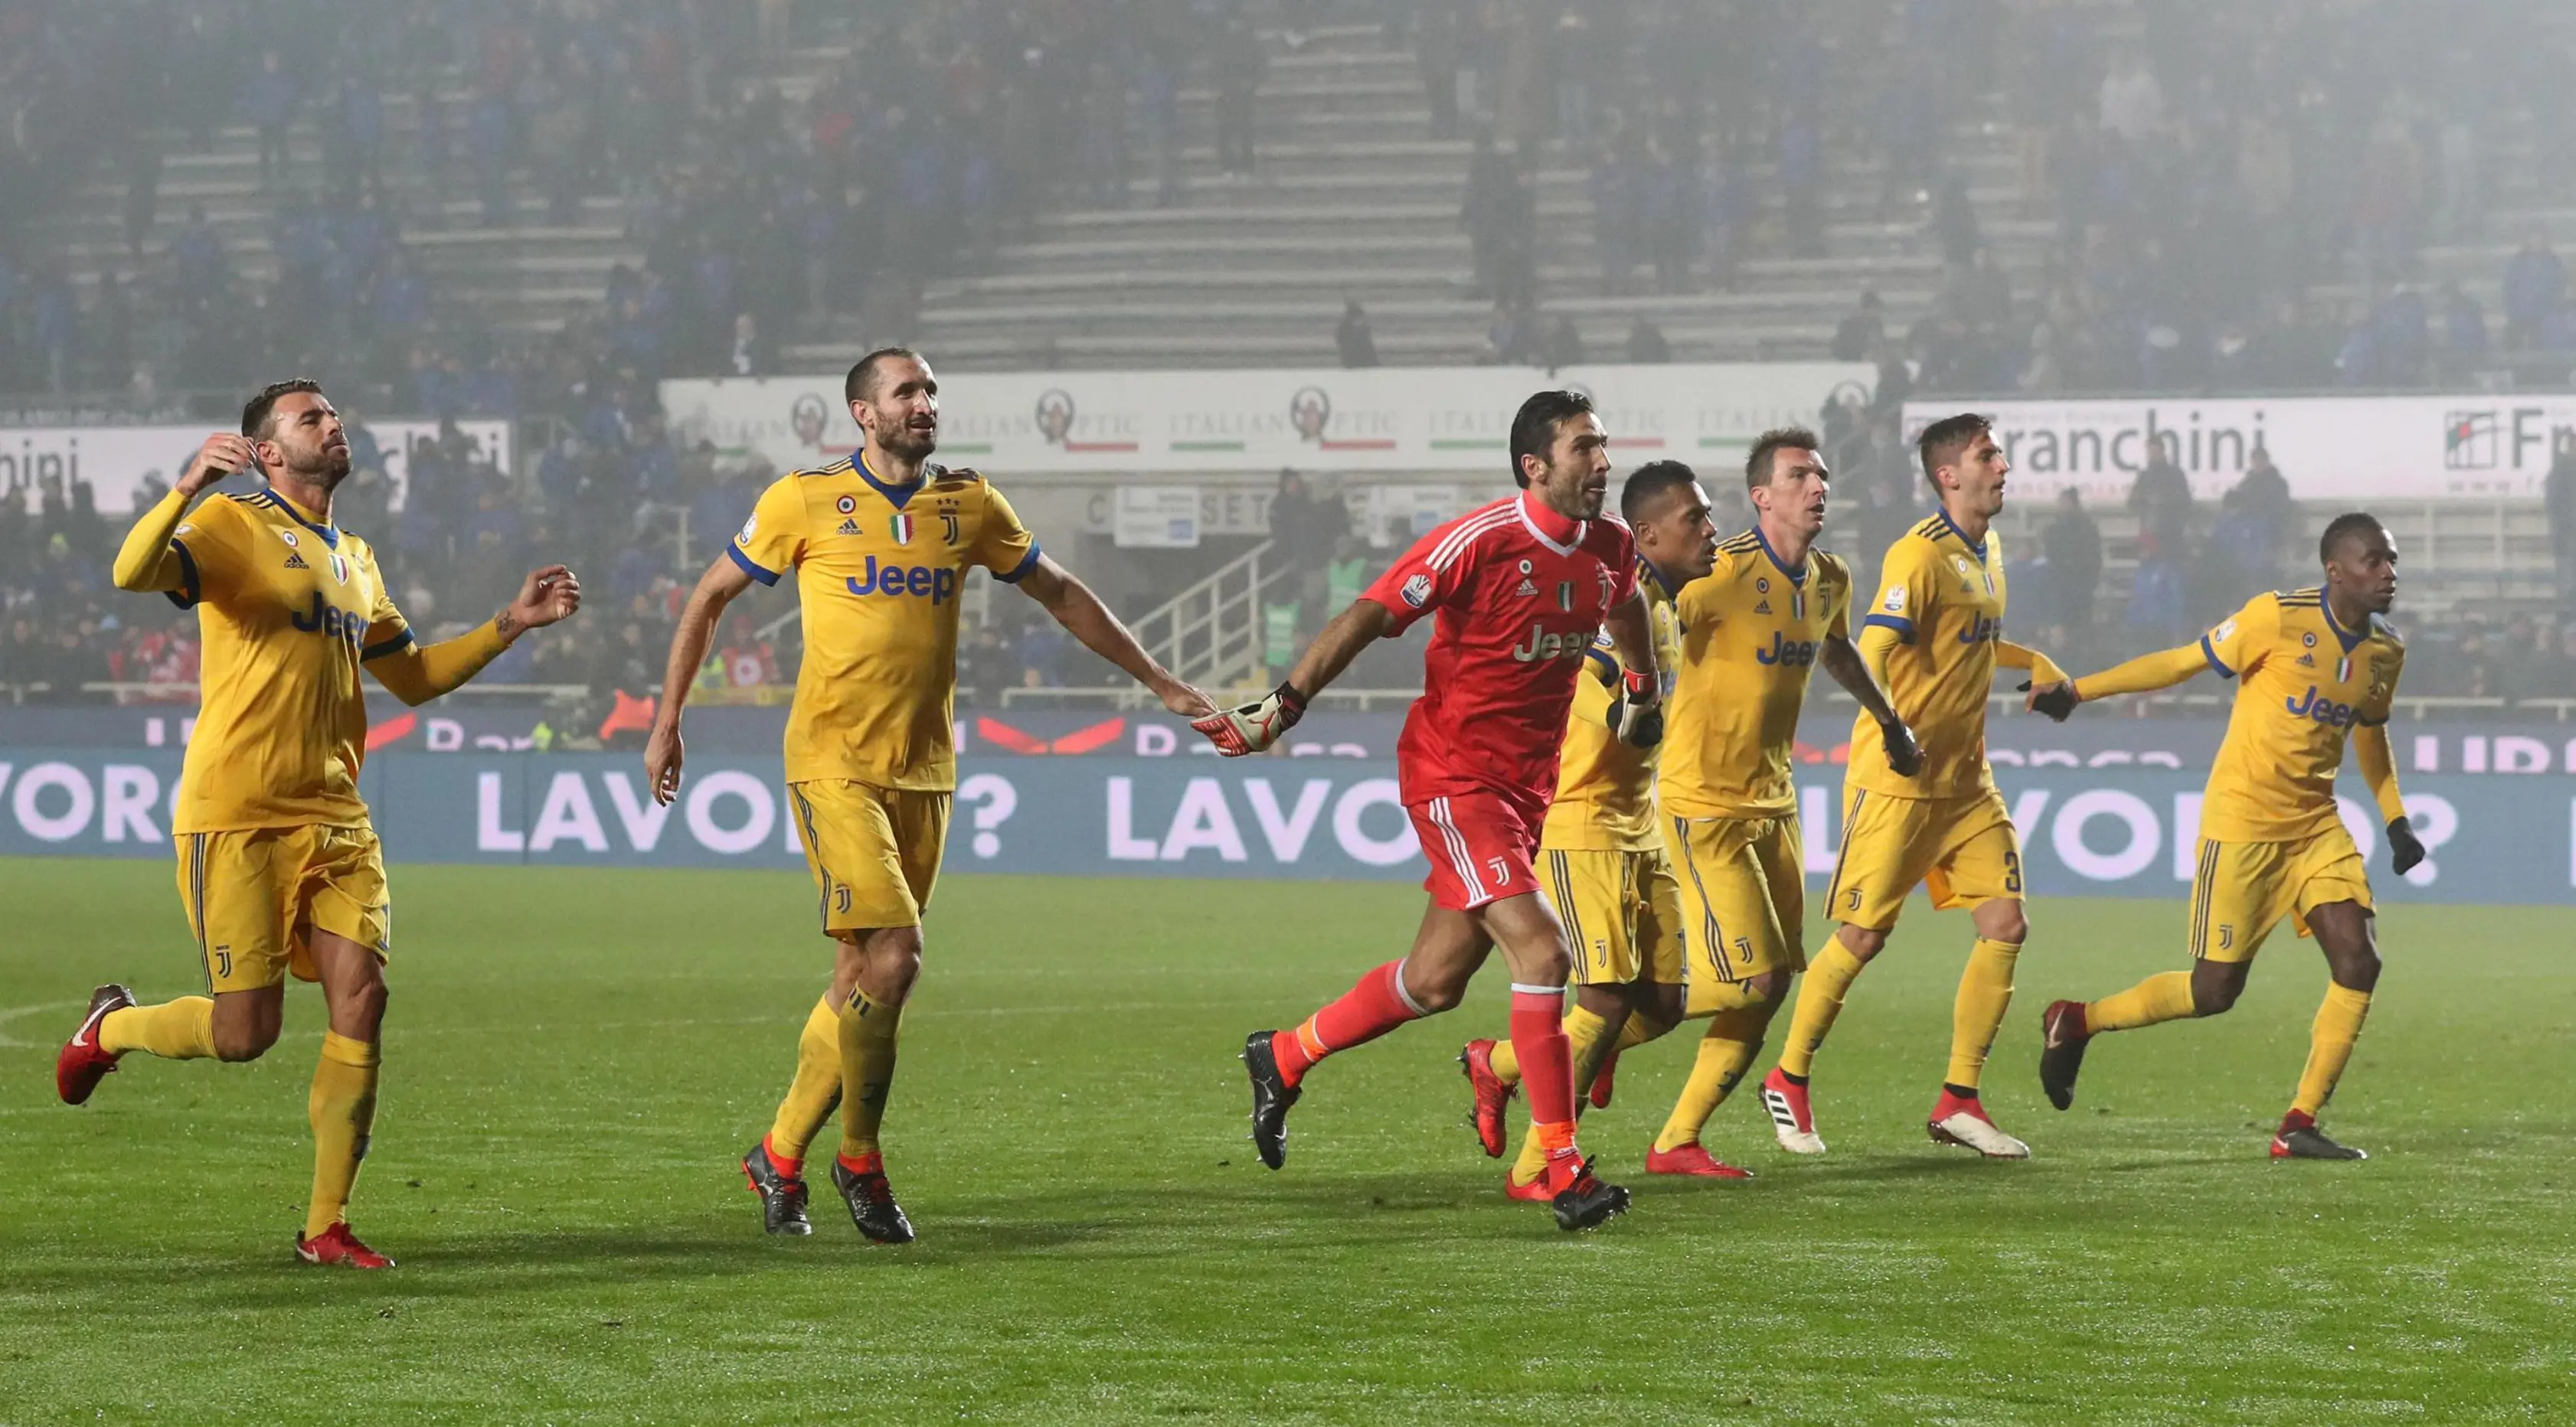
2228, 197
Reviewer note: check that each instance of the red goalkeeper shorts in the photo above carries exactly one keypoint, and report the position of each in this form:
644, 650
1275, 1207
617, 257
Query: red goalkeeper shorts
1481, 849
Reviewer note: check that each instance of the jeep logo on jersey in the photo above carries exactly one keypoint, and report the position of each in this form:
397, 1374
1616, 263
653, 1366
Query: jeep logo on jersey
1796, 653
330, 621
1543, 643
915, 580
2323, 710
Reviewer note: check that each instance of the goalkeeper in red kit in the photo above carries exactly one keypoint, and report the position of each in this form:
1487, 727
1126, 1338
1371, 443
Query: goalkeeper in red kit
1519, 590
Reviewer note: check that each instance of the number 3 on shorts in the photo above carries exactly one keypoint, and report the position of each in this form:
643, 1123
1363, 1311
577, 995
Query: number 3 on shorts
2012, 873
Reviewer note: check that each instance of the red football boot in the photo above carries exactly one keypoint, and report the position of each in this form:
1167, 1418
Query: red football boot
336, 1245
1601, 1082
82, 1064
1690, 1159
1963, 1121
1491, 1096
1785, 1100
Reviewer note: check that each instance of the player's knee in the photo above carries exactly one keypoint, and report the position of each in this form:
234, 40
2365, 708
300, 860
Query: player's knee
1661, 1001
363, 1007
239, 1043
1861, 942
2214, 992
2005, 922
2355, 968
1766, 989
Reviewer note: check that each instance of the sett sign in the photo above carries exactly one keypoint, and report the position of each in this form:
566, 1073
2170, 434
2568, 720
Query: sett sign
1381, 419
2329, 448
2085, 831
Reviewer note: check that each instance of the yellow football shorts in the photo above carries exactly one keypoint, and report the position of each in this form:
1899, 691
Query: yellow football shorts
1622, 913
2241, 890
1744, 881
874, 851
255, 896
1962, 848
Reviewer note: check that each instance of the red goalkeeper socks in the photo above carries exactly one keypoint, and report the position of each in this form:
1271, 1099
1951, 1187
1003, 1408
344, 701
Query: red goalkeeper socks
1363, 1013
1546, 1057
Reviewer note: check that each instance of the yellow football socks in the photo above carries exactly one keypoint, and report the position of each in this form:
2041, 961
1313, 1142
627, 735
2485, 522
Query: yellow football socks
2165, 996
2330, 1043
1985, 993
867, 1039
1639, 1029
343, 1110
1820, 999
1734, 1037
811, 1093
183, 1029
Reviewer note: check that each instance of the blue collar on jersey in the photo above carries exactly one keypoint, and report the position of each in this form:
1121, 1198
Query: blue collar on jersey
1977, 545
1797, 576
897, 495
2349, 639
330, 533
1647, 567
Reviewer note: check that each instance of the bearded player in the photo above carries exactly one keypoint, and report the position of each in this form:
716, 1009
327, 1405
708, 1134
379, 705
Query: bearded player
279, 868
1933, 638
1520, 589
2314, 668
880, 542
1601, 854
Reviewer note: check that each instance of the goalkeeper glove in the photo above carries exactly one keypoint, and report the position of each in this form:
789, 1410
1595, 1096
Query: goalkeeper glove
2405, 849
2057, 700
1637, 717
1252, 727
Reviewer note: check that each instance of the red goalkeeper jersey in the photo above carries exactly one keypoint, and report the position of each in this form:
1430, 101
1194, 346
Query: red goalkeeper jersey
1519, 592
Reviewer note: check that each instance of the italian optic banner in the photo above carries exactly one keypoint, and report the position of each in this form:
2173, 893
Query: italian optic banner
115, 459
1375, 419
2119, 832
2328, 448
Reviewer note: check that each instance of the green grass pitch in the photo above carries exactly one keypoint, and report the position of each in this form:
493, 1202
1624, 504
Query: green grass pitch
575, 1059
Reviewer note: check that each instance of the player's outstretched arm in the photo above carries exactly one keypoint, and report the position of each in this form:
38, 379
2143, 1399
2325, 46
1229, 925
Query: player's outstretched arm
1843, 661
416, 675
721, 585
2148, 672
1073, 605
1252, 727
148, 562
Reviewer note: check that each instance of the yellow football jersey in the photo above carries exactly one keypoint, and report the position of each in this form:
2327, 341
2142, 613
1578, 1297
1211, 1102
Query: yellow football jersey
287, 609
1751, 629
879, 570
1605, 789
2302, 682
1944, 599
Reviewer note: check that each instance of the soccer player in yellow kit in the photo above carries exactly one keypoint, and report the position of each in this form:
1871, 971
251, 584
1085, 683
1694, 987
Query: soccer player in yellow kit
1749, 623
278, 865
1933, 636
880, 543
2313, 669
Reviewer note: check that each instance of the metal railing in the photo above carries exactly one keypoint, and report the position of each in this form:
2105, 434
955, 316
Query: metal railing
1210, 634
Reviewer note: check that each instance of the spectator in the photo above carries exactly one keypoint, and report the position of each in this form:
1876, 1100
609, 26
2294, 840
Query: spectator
269, 102
2535, 290
2072, 545
2161, 495
1646, 344
2132, 102
2558, 501
1357, 344
1564, 345
1861, 330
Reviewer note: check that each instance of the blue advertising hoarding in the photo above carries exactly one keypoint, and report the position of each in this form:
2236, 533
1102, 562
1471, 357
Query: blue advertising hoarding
2124, 831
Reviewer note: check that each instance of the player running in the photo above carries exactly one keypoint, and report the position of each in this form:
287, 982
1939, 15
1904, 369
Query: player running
279, 870
2312, 668
1601, 855
1756, 616
1933, 638
880, 543
1521, 588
